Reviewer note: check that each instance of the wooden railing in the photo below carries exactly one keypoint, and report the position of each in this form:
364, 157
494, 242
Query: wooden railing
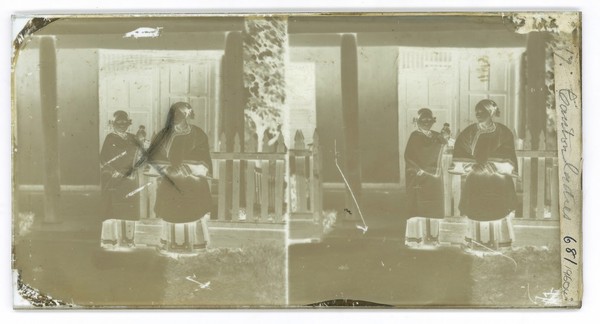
537, 169
306, 190
250, 185
305, 175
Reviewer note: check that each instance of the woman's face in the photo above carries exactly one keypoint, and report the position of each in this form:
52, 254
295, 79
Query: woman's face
121, 126
482, 115
425, 123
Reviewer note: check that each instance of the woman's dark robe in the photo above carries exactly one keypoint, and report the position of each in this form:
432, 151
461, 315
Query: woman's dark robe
425, 192
181, 197
487, 194
119, 154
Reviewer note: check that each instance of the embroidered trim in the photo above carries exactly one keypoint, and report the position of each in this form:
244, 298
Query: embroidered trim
177, 132
480, 131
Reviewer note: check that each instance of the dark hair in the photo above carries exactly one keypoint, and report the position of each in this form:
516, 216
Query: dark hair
121, 116
423, 112
173, 110
490, 106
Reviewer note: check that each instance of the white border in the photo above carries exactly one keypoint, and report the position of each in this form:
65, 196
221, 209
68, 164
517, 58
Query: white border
591, 210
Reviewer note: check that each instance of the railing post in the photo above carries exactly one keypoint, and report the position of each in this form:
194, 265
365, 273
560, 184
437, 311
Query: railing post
541, 187
456, 192
315, 175
447, 178
554, 189
222, 208
264, 192
526, 187
279, 178
300, 173
235, 194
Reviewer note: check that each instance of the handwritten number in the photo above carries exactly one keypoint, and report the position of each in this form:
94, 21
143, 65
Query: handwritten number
571, 251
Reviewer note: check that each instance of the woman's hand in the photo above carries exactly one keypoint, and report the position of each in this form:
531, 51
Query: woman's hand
459, 168
504, 168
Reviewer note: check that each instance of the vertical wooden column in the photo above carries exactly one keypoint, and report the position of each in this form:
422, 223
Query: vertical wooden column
49, 125
535, 95
232, 91
350, 119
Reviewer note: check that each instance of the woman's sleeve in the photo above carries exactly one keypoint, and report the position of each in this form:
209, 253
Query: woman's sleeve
507, 148
105, 154
462, 147
410, 155
201, 151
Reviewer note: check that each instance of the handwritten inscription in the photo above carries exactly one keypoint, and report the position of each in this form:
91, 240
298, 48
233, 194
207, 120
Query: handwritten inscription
570, 252
567, 101
567, 277
568, 114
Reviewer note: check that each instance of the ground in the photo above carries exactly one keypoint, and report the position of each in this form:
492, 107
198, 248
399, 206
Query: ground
252, 276
533, 279
67, 264
376, 267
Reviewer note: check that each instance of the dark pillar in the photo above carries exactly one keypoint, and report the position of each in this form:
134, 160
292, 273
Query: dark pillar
350, 119
522, 113
233, 92
535, 95
49, 129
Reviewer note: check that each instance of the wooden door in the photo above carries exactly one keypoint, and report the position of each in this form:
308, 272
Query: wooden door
427, 78
489, 74
301, 102
133, 91
195, 83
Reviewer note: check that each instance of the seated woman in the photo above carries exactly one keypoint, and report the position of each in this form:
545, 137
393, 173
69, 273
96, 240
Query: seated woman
180, 155
119, 182
485, 152
424, 182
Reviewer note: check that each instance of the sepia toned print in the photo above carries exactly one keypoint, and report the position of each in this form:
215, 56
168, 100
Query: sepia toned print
301, 160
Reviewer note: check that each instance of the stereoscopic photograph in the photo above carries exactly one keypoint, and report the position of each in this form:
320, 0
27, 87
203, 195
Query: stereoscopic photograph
369, 160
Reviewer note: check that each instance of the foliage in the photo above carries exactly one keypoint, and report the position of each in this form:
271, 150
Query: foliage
264, 46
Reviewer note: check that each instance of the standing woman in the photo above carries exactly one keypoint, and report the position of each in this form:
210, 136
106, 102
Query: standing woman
180, 153
423, 157
485, 151
119, 182
424, 182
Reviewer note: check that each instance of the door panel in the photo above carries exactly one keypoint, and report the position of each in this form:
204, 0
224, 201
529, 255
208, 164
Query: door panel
130, 91
179, 79
499, 76
301, 101
190, 83
427, 79
488, 74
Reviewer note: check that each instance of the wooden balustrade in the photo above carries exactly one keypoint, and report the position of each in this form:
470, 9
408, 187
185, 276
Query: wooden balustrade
537, 169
